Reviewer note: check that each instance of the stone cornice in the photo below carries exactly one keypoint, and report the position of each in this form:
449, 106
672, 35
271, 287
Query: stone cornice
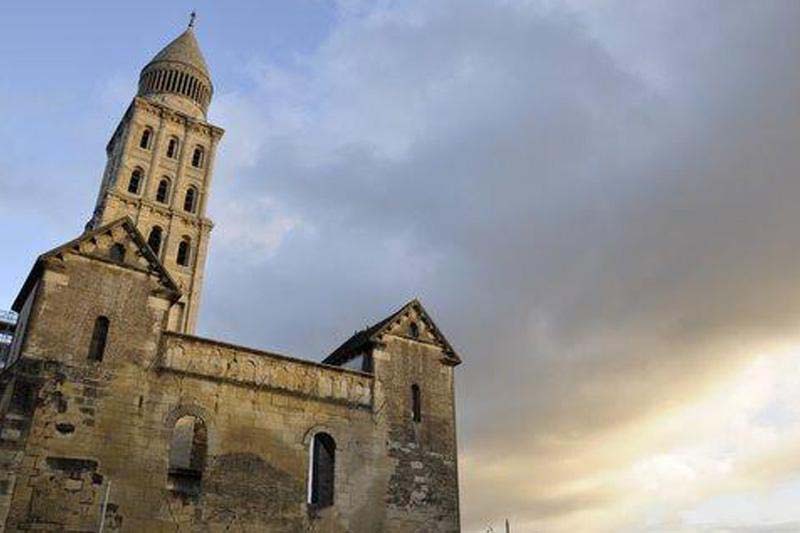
160, 110
166, 211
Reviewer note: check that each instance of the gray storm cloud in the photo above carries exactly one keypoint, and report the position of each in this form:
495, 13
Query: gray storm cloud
599, 227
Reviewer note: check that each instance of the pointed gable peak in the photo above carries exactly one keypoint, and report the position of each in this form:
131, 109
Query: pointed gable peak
103, 239
411, 321
118, 242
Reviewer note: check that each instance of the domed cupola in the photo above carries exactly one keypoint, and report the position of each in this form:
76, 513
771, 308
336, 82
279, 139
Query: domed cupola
178, 76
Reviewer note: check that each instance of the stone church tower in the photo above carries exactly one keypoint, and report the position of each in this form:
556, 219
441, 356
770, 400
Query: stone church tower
159, 168
114, 416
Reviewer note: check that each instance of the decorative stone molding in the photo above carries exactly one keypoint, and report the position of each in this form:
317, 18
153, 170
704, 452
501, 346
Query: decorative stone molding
217, 361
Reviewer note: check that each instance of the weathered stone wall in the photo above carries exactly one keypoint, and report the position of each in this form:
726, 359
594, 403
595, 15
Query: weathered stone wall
96, 428
56, 432
423, 487
16, 409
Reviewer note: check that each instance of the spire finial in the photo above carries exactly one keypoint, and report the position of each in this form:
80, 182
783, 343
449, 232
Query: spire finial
192, 16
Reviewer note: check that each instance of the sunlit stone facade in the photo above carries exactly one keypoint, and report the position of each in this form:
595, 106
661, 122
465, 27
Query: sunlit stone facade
114, 415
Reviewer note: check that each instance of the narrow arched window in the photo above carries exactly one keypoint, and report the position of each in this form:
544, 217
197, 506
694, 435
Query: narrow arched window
135, 182
162, 193
154, 240
197, 157
187, 455
117, 253
416, 403
147, 136
413, 330
97, 346
190, 200
184, 250
323, 468
172, 148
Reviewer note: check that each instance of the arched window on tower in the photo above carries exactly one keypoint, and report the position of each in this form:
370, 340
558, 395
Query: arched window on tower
97, 346
172, 148
147, 137
135, 183
198, 156
190, 200
413, 330
184, 251
322, 471
162, 193
416, 403
187, 455
154, 240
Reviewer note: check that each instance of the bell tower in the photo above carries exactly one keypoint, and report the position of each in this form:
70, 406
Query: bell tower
160, 164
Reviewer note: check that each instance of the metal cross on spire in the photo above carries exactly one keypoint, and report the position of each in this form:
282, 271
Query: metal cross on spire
192, 16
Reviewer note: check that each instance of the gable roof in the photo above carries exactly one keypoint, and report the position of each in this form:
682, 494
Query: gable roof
373, 334
125, 222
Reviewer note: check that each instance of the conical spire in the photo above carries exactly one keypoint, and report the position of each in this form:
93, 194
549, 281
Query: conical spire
178, 75
184, 49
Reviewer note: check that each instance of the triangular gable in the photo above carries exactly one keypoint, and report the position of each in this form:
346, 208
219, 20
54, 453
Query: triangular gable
394, 325
86, 244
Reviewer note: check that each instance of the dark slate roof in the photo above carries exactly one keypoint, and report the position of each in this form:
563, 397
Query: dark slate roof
357, 342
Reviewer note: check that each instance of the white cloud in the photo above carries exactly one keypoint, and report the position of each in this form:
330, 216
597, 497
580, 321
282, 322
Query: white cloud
254, 231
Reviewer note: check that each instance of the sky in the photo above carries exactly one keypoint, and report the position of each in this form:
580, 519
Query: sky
596, 200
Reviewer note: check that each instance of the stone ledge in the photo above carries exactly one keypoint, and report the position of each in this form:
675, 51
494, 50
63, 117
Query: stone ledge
226, 363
